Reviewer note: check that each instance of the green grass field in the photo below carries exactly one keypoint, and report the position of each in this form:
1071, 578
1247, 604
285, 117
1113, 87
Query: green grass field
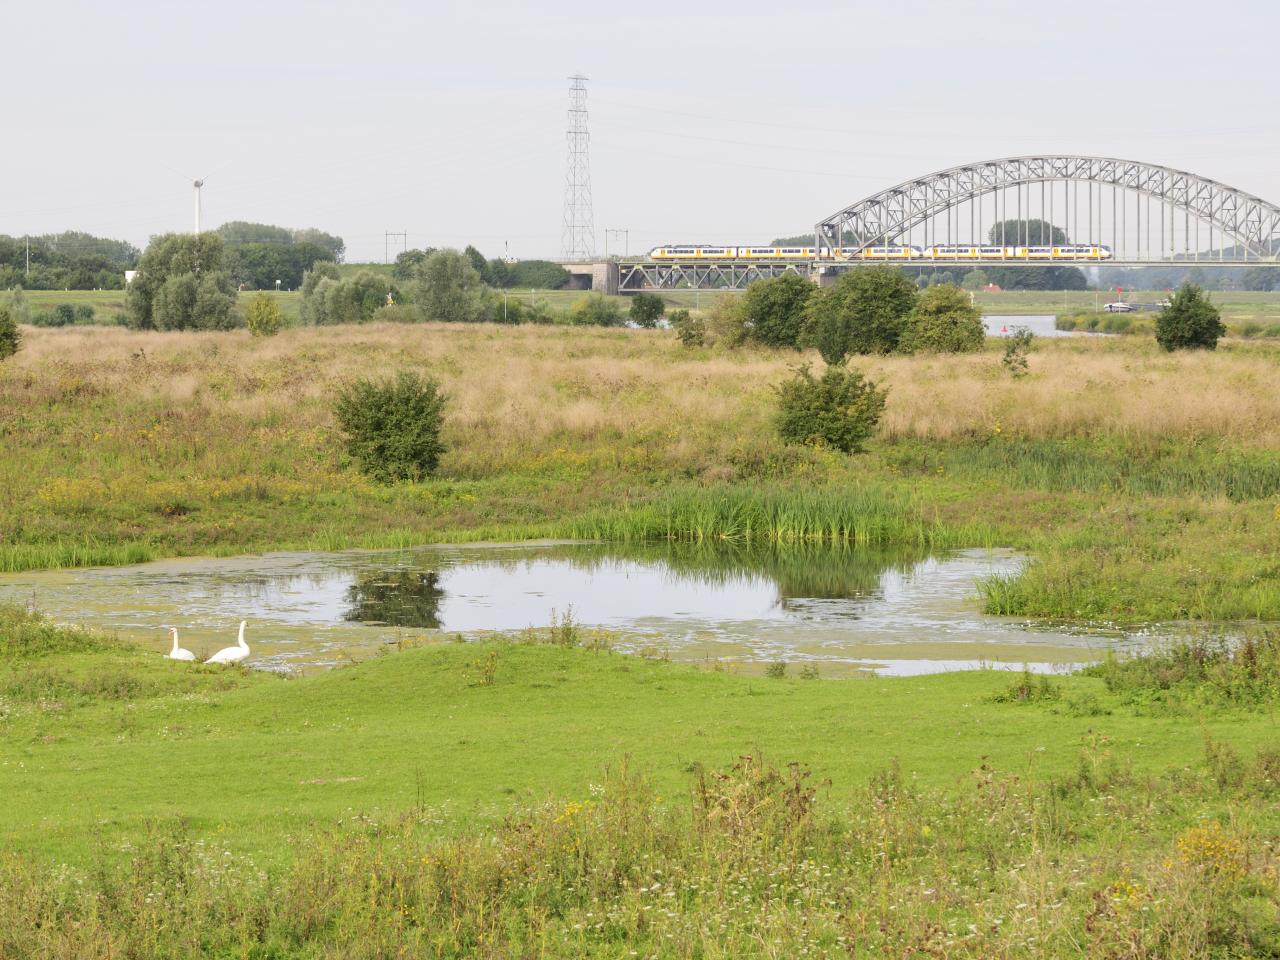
539, 795
436, 796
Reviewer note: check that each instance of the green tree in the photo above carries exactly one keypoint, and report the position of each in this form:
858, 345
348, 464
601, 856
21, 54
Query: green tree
236, 233
335, 246
65, 261
862, 312
1032, 233
726, 321
18, 306
597, 310
181, 284
774, 309
1189, 322
691, 331
943, 321
975, 280
312, 306
448, 288
478, 262
10, 336
840, 409
393, 427
496, 274
1261, 278
1037, 278
409, 261
1026, 233
537, 275
263, 317
353, 299
646, 310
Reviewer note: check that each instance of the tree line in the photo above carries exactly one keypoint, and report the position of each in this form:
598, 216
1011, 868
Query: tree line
495, 273
65, 261
188, 282
259, 255
868, 310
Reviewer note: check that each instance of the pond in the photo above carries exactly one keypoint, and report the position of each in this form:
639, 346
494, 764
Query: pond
845, 611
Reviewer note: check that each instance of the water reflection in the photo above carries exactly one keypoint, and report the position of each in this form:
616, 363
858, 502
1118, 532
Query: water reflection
396, 598
845, 610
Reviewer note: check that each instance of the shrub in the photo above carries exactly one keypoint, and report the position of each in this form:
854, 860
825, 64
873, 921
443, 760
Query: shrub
595, 309
27, 635
510, 310
1065, 323
777, 670
84, 313
726, 321
354, 299
1251, 329
539, 311
10, 338
263, 317
1244, 672
862, 312
1189, 322
18, 306
393, 427
839, 410
944, 321
311, 309
1028, 688
63, 315
1117, 323
691, 331
646, 310
774, 309
396, 313
1016, 349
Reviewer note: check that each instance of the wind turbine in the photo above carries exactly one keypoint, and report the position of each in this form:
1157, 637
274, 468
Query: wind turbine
197, 184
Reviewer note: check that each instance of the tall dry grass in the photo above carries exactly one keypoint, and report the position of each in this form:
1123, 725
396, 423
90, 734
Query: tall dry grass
517, 391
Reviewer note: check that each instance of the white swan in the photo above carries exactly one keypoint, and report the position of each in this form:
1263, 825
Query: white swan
232, 654
177, 653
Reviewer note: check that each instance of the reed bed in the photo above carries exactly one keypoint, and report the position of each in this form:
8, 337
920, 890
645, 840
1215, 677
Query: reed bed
857, 516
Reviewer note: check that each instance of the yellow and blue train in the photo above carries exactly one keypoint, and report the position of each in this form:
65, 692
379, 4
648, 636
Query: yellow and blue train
941, 252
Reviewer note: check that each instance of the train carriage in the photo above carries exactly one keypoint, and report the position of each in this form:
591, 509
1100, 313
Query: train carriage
948, 252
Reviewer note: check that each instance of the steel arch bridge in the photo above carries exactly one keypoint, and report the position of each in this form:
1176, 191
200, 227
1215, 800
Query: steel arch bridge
1145, 212
1141, 214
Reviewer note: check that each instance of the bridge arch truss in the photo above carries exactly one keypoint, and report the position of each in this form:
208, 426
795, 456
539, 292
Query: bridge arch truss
1146, 213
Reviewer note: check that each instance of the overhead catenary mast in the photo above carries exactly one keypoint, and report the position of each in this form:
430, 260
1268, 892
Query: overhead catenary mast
579, 238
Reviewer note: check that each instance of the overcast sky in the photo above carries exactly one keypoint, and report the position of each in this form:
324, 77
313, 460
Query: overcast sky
724, 122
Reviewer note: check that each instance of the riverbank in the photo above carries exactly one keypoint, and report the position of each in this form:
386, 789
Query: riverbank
478, 799
1144, 483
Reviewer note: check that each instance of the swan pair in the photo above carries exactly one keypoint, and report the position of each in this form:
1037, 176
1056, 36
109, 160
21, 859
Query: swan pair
226, 655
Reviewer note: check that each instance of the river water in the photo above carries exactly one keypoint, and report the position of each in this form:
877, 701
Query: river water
843, 611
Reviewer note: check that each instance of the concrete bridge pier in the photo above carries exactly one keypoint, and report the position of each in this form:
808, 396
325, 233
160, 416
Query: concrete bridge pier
600, 275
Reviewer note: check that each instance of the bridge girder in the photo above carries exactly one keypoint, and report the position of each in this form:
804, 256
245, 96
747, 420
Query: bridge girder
883, 217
